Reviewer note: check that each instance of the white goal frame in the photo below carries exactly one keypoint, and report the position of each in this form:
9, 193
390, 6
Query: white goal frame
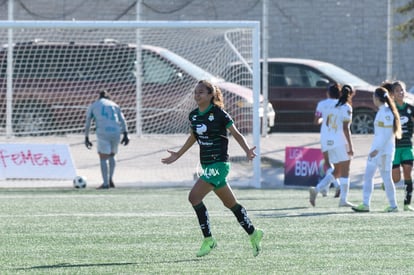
253, 25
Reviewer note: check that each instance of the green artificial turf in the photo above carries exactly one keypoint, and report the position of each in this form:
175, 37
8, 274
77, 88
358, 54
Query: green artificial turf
155, 231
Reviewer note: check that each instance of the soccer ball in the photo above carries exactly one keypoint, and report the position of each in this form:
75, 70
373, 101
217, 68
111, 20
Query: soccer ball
79, 182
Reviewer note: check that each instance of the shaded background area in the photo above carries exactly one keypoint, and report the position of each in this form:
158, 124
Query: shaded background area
351, 34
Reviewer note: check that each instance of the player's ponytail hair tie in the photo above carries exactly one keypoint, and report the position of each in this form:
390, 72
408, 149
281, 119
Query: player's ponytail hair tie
381, 94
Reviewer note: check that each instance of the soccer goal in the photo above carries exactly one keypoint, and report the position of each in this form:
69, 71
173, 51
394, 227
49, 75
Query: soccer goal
52, 70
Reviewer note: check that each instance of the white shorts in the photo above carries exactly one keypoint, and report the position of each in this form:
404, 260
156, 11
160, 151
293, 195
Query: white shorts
108, 145
338, 154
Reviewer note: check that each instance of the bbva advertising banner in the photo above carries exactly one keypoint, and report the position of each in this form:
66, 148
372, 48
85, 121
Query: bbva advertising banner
36, 161
303, 166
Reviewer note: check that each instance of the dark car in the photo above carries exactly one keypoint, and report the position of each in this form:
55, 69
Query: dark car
54, 82
297, 85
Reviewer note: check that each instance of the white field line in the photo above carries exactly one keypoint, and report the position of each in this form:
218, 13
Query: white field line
115, 214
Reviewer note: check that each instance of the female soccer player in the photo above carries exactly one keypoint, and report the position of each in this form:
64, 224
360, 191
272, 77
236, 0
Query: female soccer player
387, 128
321, 115
338, 143
209, 125
110, 123
403, 147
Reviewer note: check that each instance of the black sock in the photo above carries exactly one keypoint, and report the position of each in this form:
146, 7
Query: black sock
242, 218
408, 191
203, 219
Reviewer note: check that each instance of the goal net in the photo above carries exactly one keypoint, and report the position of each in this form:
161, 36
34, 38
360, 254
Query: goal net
51, 72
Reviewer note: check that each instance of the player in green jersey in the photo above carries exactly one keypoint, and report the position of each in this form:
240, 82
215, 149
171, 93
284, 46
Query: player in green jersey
209, 127
403, 147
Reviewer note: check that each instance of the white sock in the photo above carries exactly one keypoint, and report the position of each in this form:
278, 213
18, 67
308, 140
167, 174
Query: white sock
344, 184
389, 188
330, 170
368, 182
104, 171
324, 182
335, 182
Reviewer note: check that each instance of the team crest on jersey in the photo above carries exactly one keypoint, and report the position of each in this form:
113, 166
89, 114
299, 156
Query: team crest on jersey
201, 129
403, 120
211, 117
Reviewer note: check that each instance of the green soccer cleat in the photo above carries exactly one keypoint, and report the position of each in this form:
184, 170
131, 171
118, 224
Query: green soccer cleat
208, 244
255, 239
391, 209
407, 207
361, 208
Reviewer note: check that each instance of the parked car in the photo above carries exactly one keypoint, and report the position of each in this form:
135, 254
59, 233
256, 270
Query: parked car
54, 82
297, 85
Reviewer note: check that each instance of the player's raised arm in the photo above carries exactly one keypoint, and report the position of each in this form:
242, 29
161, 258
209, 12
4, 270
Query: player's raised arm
176, 155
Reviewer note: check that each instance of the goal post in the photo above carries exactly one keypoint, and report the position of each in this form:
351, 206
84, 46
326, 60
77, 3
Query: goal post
56, 68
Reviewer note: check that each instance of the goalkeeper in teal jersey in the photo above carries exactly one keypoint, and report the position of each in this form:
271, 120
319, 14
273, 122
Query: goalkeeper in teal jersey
209, 126
110, 123
404, 146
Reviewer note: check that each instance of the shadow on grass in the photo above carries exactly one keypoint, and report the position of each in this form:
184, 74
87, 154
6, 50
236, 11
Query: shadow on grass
278, 209
294, 214
68, 265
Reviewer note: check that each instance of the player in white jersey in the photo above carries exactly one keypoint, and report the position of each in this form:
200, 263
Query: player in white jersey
387, 128
321, 115
338, 143
110, 123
